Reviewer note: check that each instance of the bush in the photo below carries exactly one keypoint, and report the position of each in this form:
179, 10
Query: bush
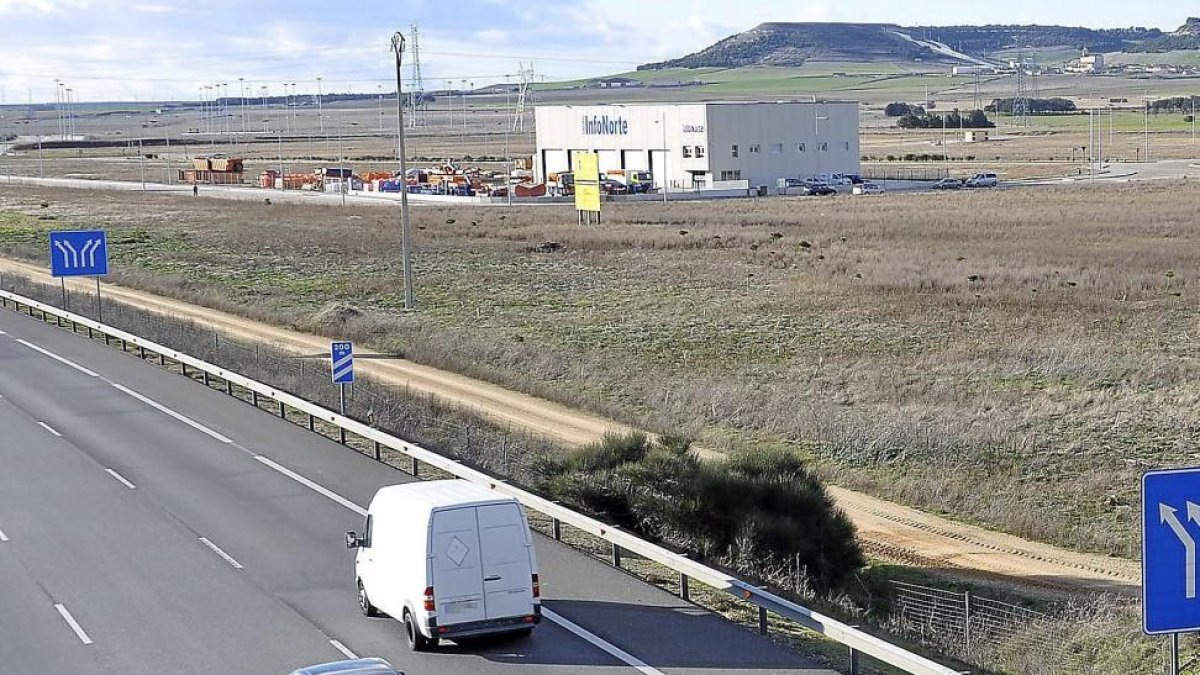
758, 513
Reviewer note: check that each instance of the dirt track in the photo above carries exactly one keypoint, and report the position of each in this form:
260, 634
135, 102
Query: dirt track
887, 530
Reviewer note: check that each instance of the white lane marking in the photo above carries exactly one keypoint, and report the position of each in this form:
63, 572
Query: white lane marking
217, 549
164, 409
611, 649
121, 478
83, 637
49, 428
3, 333
3, 537
629, 659
342, 648
58, 358
313, 486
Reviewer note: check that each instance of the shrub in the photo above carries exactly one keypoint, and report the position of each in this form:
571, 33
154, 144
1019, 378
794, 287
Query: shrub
756, 512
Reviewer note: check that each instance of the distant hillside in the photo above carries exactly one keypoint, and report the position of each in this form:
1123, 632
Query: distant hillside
792, 44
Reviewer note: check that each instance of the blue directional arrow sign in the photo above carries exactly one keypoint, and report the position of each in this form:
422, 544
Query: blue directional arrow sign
341, 355
78, 253
1170, 531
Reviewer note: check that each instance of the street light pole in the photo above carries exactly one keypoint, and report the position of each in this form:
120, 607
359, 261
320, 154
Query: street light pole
398, 48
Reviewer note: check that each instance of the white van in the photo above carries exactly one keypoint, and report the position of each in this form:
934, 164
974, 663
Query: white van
449, 559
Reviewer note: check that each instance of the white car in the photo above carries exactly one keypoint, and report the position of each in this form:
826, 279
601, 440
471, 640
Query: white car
985, 179
868, 189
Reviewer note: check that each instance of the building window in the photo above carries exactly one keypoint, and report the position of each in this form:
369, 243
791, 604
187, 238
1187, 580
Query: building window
699, 151
800, 147
735, 174
735, 151
777, 148
824, 147
755, 149
687, 151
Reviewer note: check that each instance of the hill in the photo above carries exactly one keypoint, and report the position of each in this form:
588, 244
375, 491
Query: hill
792, 44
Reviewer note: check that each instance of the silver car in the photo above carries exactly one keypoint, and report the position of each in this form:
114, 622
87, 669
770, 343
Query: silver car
372, 666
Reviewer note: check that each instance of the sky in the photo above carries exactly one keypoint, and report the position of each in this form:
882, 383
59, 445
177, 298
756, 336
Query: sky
154, 50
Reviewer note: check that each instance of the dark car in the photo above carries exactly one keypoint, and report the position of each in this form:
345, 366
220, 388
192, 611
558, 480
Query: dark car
948, 184
819, 191
613, 187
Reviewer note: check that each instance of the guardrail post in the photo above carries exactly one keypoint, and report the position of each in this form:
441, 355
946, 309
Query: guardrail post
311, 423
206, 379
229, 387
684, 591
853, 661
124, 345
342, 435
142, 352
415, 467
762, 620
254, 397
616, 555
556, 529
184, 367
282, 412
106, 343
378, 451
90, 336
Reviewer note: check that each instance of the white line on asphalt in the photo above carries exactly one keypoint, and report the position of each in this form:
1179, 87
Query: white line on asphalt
49, 428
631, 660
342, 648
83, 637
217, 549
58, 358
3, 333
164, 409
313, 486
3, 537
121, 478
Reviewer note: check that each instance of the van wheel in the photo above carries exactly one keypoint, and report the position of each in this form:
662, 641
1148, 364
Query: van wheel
416, 641
364, 603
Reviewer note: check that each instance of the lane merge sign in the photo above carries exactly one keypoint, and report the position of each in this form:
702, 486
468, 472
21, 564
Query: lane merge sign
1170, 530
81, 253
341, 356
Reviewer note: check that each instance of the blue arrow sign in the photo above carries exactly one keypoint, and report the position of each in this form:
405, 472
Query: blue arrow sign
341, 356
1170, 530
78, 253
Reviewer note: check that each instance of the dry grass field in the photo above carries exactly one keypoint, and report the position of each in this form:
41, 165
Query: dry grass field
1013, 358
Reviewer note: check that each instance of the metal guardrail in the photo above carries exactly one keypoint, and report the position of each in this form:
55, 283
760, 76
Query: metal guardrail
858, 641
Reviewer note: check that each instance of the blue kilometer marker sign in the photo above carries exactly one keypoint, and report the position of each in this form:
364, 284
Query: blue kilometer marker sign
341, 356
78, 253
1170, 529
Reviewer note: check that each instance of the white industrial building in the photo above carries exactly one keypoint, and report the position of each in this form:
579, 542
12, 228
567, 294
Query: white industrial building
700, 145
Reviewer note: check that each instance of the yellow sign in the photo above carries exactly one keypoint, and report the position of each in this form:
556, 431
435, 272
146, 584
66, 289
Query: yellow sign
586, 166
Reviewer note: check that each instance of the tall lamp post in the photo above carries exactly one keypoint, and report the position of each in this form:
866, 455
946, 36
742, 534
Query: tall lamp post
398, 48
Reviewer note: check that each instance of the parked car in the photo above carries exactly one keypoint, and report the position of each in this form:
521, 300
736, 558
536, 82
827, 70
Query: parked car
819, 190
448, 559
836, 179
611, 186
856, 179
948, 184
371, 666
984, 179
865, 188
815, 182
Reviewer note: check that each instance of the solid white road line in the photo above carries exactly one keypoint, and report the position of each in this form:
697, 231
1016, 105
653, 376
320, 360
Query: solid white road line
622, 655
217, 549
342, 648
601, 643
3, 537
313, 486
121, 478
83, 637
164, 409
58, 358
49, 428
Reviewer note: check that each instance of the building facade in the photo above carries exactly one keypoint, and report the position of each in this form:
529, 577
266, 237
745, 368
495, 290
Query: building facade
700, 145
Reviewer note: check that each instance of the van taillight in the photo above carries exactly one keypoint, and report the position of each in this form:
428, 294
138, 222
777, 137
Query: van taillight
429, 604
537, 587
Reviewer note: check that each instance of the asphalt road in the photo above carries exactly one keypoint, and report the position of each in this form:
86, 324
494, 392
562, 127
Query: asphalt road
136, 541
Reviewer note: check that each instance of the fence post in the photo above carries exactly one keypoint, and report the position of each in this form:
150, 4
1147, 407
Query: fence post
967, 621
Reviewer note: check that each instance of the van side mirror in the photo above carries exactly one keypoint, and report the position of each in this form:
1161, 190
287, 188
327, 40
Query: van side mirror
352, 540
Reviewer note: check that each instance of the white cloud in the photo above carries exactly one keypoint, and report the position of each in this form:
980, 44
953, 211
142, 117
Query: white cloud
41, 6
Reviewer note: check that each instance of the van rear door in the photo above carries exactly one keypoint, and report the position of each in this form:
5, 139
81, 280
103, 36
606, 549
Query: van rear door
507, 567
457, 567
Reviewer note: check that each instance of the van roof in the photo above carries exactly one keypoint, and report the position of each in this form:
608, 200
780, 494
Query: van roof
435, 494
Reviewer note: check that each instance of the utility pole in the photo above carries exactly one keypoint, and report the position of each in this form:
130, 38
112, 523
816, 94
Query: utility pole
398, 48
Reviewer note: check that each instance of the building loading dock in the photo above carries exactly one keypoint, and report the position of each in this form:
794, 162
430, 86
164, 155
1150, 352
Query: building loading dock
702, 145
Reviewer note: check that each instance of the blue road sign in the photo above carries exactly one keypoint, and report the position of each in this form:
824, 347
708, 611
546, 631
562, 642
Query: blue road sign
1170, 529
341, 355
78, 254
